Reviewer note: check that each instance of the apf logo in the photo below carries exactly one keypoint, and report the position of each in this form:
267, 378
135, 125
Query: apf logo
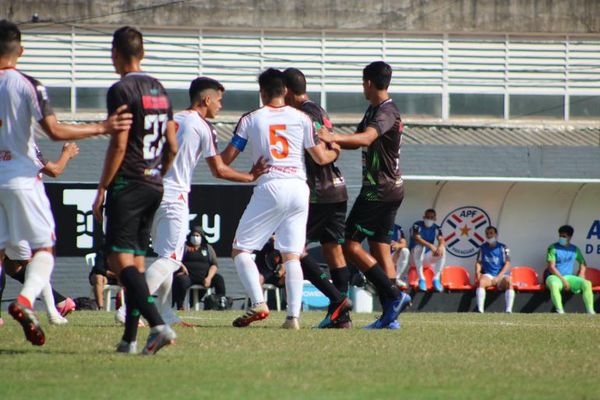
464, 230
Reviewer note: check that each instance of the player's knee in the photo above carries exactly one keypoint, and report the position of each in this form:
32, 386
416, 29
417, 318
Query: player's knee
587, 285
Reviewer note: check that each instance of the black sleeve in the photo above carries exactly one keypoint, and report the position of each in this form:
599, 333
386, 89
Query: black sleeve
383, 121
39, 100
115, 98
212, 256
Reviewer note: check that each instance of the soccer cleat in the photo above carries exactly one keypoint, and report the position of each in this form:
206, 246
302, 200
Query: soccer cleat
335, 311
422, 285
325, 323
437, 285
159, 337
395, 324
66, 306
57, 320
343, 322
256, 313
126, 347
377, 324
393, 308
291, 323
560, 311
31, 326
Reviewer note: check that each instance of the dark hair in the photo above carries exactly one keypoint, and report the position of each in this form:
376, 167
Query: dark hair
272, 82
10, 37
295, 81
430, 210
492, 228
128, 42
202, 83
567, 229
379, 73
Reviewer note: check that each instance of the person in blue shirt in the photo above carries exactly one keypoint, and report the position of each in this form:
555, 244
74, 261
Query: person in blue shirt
400, 254
492, 269
561, 257
428, 246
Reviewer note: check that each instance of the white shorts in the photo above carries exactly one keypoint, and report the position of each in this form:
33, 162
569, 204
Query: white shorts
25, 215
491, 277
19, 251
170, 228
280, 207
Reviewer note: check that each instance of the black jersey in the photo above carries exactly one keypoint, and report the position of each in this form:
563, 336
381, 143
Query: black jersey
326, 182
149, 103
381, 159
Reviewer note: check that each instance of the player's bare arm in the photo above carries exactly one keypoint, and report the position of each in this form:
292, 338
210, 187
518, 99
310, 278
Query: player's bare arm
56, 168
322, 154
118, 121
229, 154
171, 149
349, 142
220, 170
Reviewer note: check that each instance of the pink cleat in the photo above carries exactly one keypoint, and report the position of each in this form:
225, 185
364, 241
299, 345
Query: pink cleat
66, 307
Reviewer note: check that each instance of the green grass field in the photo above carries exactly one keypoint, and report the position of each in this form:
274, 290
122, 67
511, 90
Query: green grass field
433, 356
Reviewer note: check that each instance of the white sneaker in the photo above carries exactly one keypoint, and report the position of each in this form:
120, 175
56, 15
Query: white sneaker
120, 316
291, 323
57, 319
560, 311
126, 347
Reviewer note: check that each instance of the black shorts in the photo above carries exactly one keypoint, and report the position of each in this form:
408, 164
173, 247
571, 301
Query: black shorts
326, 222
372, 220
129, 214
109, 281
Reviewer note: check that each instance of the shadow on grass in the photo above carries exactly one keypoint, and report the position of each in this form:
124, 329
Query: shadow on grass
33, 350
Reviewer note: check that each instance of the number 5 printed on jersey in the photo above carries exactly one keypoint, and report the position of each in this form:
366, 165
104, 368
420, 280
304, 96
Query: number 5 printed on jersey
155, 126
277, 142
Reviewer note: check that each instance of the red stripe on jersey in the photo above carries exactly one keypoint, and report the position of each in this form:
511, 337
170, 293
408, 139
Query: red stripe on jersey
155, 102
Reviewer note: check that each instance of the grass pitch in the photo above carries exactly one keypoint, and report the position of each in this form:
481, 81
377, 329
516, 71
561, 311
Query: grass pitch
433, 356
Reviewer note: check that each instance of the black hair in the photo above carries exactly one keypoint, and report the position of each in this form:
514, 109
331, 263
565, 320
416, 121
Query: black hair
201, 84
567, 229
379, 73
492, 228
295, 81
430, 210
10, 37
272, 82
128, 42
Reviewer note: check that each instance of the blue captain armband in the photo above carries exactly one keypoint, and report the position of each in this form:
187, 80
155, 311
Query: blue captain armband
239, 142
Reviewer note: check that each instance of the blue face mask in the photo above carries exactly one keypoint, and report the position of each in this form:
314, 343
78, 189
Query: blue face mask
563, 241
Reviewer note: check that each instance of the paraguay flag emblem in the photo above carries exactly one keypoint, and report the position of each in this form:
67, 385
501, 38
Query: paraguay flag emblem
464, 230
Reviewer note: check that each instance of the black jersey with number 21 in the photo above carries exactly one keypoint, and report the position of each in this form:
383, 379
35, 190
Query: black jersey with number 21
149, 103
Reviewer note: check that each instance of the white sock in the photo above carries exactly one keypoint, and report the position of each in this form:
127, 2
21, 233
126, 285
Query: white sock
294, 282
248, 273
402, 262
480, 294
509, 296
164, 302
159, 271
48, 299
37, 275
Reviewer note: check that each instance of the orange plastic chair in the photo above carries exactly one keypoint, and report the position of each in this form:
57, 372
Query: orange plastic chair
593, 275
455, 277
525, 279
413, 277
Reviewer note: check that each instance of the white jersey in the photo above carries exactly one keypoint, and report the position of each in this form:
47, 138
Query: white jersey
23, 101
279, 135
196, 137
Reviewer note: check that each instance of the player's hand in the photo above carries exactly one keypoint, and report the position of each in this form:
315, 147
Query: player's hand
118, 120
70, 149
439, 251
566, 286
184, 270
98, 206
495, 281
325, 135
259, 168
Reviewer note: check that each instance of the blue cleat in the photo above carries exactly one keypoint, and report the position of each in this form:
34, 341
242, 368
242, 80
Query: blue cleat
394, 325
375, 325
392, 309
437, 285
422, 285
325, 323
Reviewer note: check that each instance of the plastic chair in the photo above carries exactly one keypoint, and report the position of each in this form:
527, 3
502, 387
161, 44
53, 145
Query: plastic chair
593, 275
196, 299
456, 277
268, 287
525, 279
413, 277
107, 292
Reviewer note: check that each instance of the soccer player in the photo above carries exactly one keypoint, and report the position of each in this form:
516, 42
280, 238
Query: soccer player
424, 250
400, 254
326, 213
561, 257
279, 204
492, 269
196, 138
132, 183
374, 211
25, 212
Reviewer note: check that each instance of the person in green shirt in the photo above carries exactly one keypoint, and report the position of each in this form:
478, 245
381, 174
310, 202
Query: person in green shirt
561, 258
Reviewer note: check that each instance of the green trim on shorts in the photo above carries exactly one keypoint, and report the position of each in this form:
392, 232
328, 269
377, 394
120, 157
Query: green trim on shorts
364, 230
117, 249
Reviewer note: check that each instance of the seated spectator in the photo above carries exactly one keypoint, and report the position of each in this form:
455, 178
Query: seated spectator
425, 251
199, 268
400, 254
561, 257
100, 276
270, 265
492, 269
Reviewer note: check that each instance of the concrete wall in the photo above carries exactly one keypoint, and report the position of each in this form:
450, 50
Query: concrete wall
572, 16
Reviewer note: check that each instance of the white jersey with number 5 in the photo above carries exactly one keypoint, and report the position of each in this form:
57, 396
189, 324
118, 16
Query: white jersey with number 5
279, 135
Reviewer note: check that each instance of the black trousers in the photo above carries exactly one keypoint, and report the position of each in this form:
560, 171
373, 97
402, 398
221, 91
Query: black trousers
182, 282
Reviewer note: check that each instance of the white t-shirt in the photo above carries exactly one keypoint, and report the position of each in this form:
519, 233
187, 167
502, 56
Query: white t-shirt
23, 102
279, 135
196, 137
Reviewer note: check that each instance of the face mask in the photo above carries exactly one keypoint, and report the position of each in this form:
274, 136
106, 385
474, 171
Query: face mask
492, 240
195, 240
428, 222
563, 241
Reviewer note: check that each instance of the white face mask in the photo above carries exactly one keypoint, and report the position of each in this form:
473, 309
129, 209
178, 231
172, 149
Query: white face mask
196, 240
492, 240
428, 222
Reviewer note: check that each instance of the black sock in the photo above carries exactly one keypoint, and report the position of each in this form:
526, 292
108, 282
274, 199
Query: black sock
132, 318
385, 288
58, 298
2, 284
19, 276
341, 279
312, 273
135, 285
